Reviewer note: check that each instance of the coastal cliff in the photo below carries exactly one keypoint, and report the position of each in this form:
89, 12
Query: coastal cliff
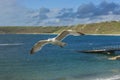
112, 27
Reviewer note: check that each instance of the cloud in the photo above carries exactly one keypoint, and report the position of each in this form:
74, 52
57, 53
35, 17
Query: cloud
38, 16
104, 8
66, 13
86, 10
13, 14
91, 13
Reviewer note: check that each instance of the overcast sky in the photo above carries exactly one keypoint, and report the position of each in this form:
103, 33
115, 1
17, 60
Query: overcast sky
57, 12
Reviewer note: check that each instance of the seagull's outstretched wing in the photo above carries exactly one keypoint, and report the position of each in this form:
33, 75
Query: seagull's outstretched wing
63, 34
38, 46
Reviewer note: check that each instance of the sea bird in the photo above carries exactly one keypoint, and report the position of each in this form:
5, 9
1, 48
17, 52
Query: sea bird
55, 41
115, 58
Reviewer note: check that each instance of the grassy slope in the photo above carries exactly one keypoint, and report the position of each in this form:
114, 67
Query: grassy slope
21, 30
101, 28
95, 28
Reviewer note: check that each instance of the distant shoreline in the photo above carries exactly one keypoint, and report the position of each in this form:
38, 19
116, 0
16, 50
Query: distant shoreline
57, 33
33, 33
106, 34
102, 28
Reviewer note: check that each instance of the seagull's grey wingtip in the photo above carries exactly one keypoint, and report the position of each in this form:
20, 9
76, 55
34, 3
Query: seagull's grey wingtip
81, 33
31, 51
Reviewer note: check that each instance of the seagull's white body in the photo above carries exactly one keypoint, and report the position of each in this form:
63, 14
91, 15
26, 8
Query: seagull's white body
55, 41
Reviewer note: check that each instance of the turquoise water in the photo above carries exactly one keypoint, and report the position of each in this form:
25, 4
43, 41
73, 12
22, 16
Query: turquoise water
55, 63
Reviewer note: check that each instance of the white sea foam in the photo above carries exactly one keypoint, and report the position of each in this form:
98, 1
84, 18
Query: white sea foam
11, 44
116, 77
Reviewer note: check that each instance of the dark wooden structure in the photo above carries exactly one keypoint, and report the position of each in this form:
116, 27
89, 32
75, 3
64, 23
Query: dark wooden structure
101, 51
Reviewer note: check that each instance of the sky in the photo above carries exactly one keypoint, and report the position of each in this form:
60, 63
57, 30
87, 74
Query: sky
57, 12
36, 4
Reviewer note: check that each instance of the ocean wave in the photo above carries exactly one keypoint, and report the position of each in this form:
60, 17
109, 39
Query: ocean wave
116, 77
11, 44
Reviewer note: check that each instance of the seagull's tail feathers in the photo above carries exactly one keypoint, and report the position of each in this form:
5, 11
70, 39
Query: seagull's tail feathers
63, 44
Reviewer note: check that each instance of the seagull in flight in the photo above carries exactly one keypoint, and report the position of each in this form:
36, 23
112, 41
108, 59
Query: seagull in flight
55, 41
115, 58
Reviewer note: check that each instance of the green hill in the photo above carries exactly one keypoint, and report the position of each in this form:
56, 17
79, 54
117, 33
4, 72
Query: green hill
100, 28
94, 28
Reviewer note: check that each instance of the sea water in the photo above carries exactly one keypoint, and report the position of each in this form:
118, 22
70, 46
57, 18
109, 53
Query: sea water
54, 62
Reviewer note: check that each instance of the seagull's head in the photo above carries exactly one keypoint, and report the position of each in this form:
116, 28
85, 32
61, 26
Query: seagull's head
70, 30
51, 39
